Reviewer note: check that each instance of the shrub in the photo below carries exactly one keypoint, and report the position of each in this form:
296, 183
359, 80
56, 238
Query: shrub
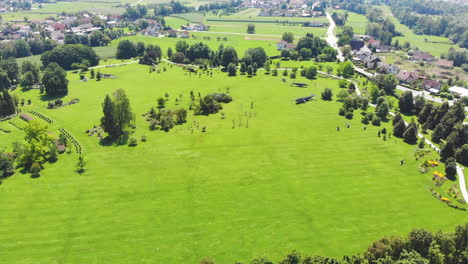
342, 111
376, 121
327, 94
349, 115
133, 142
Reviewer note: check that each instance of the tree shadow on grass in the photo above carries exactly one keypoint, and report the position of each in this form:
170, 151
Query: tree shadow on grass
121, 141
45, 98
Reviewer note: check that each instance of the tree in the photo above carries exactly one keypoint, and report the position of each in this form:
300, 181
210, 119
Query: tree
181, 46
37, 147
7, 104
345, 69
92, 73
462, 155
406, 103
22, 48
311, 72
28, 66
387, 82
161, 102
305, 53
6, 165
55, 80
382, 110
228, 56
5, 82
420, 240
80, 165
251, 29
27, 80
98, 76
256, 55
451, 168
438, 133
126, 50
232, 69
118, 115
396, 118
411, 133
399, 128
288, 37
447, 151
327, 94
69, 54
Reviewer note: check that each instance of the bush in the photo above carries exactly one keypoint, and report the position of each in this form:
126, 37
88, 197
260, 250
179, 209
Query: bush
327, 94
376, 121
349, 115
342, 111
132, 142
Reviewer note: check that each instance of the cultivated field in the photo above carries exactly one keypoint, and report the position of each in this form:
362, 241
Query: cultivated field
281, 178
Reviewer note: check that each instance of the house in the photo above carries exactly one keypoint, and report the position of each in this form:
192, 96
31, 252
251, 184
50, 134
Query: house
423, 56
382, 48
389, 68
445, 64
407, 77
373, 43
356, 44
459, 91
172, 33
184, 34
281, 45
431, 85
290, 47
372, 62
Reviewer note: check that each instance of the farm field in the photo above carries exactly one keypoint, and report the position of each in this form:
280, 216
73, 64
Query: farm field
357, 21
240, 42
264, 28
283, 178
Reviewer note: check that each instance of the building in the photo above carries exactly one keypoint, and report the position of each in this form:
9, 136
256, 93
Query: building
445, 64
356, 44
431, 85
423, 56
407, 77
281, 45
184, 34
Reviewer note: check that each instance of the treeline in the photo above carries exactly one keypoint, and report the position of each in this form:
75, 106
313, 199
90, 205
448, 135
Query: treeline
174, 7
228, 6
448, 24
96, 38
23, 48
420, 246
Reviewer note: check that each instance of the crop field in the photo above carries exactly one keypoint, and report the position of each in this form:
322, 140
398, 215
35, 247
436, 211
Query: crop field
266, 177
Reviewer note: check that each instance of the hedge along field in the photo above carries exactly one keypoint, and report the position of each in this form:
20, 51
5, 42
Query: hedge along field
240, 42
288, 181
434, 44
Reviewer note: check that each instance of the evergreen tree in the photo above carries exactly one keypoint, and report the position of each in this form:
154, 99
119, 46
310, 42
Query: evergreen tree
438, 133
7, 104
231, 69
451, 168
396, 118
446, 151
169, 53
108, 123
5, 82
406, 103
411, 133
419, 104
462, 155
382, 110
399, 128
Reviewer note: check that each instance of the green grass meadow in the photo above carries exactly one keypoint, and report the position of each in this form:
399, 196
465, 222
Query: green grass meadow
283, 178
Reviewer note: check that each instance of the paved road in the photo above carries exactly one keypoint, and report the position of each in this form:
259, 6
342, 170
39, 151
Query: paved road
113, 65
331, 37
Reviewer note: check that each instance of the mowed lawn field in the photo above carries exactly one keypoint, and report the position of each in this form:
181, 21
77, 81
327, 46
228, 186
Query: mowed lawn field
283, 178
